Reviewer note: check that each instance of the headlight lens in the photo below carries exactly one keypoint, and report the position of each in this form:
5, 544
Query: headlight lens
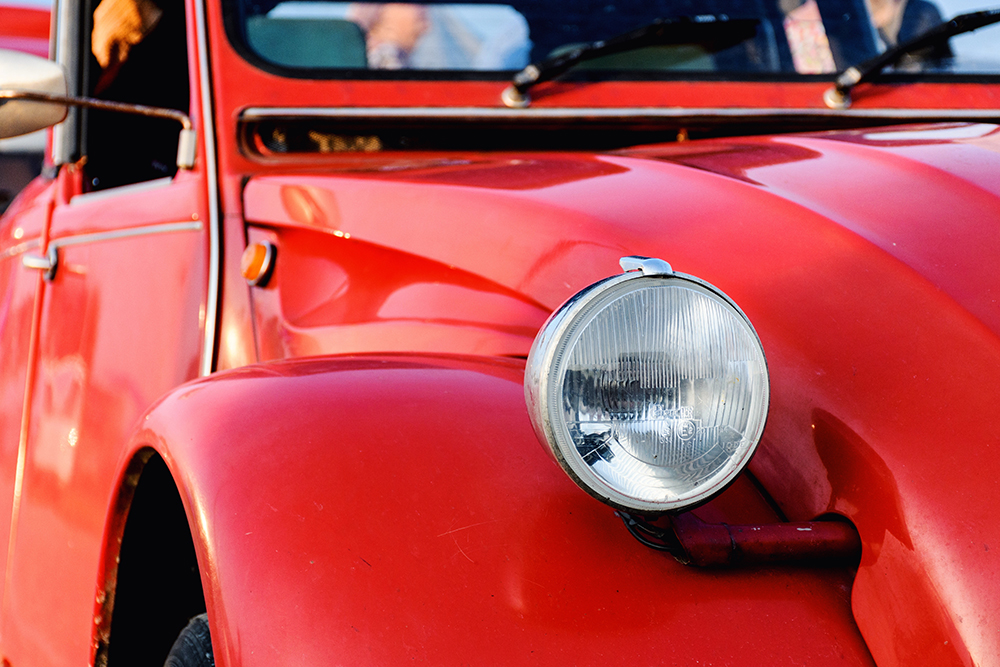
651, 391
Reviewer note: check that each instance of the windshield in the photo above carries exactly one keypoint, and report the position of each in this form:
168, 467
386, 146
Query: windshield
320, 39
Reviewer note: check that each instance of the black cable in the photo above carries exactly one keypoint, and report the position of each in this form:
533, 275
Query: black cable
663, 540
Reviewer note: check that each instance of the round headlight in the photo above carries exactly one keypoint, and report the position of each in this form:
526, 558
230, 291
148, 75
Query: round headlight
649, 388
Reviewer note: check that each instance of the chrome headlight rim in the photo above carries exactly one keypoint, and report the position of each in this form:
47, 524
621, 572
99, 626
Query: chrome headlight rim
544, 379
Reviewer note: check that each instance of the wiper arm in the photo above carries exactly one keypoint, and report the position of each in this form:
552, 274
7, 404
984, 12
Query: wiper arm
718, 30
839, 96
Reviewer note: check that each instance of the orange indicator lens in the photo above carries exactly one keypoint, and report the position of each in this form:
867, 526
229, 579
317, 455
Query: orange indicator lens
256, 263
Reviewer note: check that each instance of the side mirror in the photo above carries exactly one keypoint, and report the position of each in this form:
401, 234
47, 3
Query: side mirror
27, 73
33, 97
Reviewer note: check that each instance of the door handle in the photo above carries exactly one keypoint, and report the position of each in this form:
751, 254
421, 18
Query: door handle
47, 262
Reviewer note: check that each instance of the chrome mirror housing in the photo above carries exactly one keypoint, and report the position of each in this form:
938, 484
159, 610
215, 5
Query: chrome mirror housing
23, 72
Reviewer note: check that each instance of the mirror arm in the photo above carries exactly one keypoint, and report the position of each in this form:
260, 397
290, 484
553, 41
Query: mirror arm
185, 145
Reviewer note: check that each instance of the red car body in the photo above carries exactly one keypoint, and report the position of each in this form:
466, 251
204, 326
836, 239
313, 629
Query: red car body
347, 450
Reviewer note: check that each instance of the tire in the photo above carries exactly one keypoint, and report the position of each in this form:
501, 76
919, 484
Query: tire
193, 647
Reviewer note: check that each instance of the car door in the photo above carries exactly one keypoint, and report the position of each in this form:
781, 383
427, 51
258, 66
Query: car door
120, 320
21, 232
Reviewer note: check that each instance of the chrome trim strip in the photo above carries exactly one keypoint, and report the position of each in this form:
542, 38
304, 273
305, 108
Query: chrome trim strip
212, 175
146, 230
63, 47
110, 193
20, 248
496, 113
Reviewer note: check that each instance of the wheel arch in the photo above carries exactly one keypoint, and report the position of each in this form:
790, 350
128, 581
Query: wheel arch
176, 457
151, 581
382, 510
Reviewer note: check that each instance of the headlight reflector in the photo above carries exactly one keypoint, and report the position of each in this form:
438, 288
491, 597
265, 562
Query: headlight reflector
650, 389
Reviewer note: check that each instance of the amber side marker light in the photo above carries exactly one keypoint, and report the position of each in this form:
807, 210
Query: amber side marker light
257, 263
650, 390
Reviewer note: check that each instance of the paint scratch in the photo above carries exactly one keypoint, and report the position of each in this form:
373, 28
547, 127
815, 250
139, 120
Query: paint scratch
463, 552
455, 530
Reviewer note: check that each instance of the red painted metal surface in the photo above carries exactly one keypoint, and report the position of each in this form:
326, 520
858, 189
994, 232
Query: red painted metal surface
243, 85
835, 284
94, 373
381, 509
454, 538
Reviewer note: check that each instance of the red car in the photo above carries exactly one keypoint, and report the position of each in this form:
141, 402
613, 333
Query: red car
533, 333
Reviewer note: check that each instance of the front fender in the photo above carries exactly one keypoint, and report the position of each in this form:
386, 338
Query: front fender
377, 510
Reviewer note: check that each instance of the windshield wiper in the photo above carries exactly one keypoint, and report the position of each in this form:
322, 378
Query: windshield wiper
715, 30
839, 96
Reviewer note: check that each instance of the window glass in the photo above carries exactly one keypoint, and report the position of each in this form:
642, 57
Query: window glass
972, 53
392, 36
374, 40
138, 55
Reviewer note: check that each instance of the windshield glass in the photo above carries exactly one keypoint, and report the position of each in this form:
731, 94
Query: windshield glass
320, 39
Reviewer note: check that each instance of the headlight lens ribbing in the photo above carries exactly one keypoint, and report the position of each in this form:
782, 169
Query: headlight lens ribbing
651, 391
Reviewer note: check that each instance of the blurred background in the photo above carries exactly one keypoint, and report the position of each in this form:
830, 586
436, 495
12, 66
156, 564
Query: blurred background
24, 26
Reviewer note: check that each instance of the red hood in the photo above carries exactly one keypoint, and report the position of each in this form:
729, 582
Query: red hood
864, 261
899, 190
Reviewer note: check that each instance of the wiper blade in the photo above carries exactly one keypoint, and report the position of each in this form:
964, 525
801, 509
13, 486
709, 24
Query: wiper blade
717, 30
839, 96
